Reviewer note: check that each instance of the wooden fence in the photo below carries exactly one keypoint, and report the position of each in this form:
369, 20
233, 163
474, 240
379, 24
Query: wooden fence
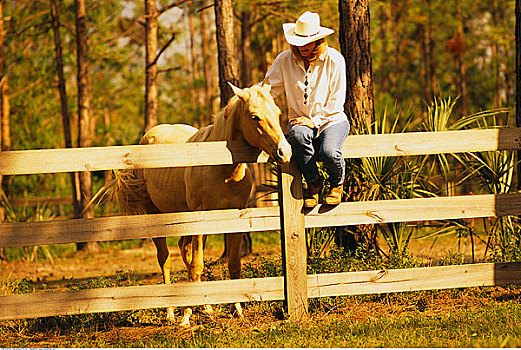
296, 286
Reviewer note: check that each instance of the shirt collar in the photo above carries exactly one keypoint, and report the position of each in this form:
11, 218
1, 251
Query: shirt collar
322, 57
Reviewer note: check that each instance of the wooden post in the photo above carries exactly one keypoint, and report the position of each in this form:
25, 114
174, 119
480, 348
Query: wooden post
293, 242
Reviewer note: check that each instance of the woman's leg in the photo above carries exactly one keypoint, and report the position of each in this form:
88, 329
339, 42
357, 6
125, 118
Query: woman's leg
330, 152
301, 139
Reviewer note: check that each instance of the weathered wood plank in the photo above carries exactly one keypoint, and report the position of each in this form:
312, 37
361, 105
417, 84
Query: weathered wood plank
293, 241
126, 157
406, 280
261, 289
139, 226
33, 202
213, 153
419, 143
140, 297
255, 219
418, 209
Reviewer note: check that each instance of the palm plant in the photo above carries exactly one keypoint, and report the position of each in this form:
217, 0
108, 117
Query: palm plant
440, 118
29, 214
494, 172
384, 178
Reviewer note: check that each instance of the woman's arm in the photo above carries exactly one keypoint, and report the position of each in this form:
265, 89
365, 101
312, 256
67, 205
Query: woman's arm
337, 94
276, 78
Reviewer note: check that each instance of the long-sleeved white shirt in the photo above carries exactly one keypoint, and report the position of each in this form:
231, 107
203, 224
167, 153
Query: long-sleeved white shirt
318, 93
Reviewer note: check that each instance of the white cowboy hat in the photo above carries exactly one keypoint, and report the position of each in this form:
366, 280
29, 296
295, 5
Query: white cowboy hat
306, 30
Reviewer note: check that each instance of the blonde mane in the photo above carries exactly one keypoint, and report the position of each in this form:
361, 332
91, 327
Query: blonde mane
225, 120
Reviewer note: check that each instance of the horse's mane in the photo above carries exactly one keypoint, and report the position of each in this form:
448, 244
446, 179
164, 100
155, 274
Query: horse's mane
224, 122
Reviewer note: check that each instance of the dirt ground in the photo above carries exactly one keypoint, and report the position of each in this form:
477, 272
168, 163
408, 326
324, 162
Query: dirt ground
141, 262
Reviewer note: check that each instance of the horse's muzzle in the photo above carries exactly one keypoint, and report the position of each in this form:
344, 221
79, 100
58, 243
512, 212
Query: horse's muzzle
283, 154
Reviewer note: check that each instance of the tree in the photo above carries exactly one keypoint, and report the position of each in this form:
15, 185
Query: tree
65, 115
518, 81
208, 71
85, 122
226, 50
355, 46
151, 101
4, 110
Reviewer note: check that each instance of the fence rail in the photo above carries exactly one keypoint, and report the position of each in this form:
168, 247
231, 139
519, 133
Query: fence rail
215, 153
256, 289
295, 287
254, 219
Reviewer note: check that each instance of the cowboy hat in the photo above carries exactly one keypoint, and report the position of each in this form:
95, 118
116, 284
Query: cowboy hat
307, 29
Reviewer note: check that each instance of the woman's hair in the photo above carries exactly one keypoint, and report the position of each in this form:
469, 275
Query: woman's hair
320, 48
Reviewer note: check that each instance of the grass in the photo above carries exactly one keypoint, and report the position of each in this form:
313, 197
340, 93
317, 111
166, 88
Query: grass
476, 317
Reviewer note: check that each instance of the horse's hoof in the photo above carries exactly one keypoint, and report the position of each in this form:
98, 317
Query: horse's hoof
236, 310
170, 315
208, 311
185, 321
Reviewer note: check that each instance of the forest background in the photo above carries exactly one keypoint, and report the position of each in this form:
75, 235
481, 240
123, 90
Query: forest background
422, 51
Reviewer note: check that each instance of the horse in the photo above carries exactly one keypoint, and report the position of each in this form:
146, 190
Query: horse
250, 116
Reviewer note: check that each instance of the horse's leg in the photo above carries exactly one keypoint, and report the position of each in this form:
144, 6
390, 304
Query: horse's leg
195, 269
207, 309
185, 246
192, 253
163, 258
233, 241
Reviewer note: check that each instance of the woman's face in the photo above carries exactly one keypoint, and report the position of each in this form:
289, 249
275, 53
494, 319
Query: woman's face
306, 50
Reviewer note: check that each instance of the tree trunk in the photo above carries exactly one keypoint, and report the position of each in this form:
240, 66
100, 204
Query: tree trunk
518, 82
246, 58
385, 16
4, 109
431, 49
461, 60
195, 93
85, 122
151, 94
355, 45
495, 58
207, 72
226, 50
226, 53
65, 116
424, 45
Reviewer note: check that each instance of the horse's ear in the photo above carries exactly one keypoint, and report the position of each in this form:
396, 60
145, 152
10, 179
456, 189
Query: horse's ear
239, 92
266, 84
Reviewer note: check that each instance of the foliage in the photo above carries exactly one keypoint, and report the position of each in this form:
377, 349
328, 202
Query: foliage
487, 317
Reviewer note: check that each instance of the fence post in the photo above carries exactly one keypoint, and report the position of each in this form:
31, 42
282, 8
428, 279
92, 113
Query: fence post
293, 241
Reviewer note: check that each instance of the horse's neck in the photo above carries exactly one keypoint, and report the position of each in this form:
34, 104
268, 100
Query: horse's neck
227, 124
226, 128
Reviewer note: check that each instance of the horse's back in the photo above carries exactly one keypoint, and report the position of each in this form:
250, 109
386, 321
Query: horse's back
168, 133
166, 186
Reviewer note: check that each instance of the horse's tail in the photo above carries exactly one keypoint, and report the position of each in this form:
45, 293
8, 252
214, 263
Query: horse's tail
126, 190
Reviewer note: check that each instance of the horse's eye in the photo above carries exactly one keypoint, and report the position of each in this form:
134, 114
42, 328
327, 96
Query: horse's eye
256, 118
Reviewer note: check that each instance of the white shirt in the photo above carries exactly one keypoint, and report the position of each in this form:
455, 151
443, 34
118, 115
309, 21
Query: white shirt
322, 99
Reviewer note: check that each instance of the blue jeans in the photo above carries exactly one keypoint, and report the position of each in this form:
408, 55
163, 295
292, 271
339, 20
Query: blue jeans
308, 148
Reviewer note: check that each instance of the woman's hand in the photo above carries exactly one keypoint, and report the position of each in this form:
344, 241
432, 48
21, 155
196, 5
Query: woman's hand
304, 121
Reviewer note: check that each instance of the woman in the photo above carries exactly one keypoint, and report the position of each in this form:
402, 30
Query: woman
312, 75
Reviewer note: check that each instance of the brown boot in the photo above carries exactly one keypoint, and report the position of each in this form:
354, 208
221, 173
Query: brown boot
334, 196
312, 192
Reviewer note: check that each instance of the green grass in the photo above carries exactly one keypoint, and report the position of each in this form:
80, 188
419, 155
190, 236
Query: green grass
495, 323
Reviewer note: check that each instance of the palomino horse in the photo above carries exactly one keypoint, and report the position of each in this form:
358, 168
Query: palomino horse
250, 116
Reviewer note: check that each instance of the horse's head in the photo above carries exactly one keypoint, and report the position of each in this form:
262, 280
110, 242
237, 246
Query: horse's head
260, 123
